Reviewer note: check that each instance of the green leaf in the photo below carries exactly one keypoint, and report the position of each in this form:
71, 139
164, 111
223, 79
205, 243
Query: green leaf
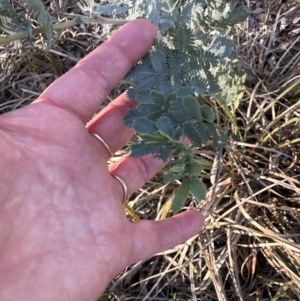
44, 20
165, 125
199, 84
10, 19
231, 82
174, 173
204, 129
144, 126
154, 11
152, 139
176, 61
140, 150
166, 21
177, 109
165, 87
192, 107
207, 113
237, 15
219, 139
186, 12
158, 98
159, 61
194, 167
164, 155
110, 10
130, 117
140, 73
221, 47
141, 95
194, 135
206, 58
181, 195
184, 39
155, 116
197, 188
147, 108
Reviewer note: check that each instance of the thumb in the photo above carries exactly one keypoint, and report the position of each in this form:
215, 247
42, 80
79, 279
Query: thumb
151, 237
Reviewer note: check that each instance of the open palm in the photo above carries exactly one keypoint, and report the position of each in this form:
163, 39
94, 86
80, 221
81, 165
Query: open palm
63, 231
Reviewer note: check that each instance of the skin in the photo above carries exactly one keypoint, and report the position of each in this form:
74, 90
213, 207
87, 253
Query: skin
63, 231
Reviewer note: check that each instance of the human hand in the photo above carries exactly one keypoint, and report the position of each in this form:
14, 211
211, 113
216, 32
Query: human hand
63, 231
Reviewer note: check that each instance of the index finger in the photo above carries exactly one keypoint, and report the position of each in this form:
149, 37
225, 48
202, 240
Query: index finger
85, 87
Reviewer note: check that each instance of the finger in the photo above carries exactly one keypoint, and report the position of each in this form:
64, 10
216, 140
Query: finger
108, 124
86, 86
135, 172
151, 237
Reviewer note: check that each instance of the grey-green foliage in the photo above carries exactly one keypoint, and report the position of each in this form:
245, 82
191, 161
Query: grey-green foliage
231, 81
44, 19
190, 57
12, 21
111, 10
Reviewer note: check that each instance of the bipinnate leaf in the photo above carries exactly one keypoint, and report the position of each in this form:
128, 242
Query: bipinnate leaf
221, 46
144, 126
44, 19
232, 82
158, 98
140, 73
192, 107
197, 188
165, 125
159, 61
174, 173
194, 167
154, 11
206, 58
147, 108
199, 84
195, 136
181, 195
130, 117
177, 109
184, 39
208, 113
165, 87
9, 18
238, 15
165, 155
140, 150
204, 129
166, 21
139, 94
176, 61
110, 10
186, 12
219, 139
230, 17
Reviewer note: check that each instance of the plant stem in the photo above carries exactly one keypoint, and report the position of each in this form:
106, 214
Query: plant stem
58, 26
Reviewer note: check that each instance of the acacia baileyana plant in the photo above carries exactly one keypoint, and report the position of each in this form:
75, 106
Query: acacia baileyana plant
191, 57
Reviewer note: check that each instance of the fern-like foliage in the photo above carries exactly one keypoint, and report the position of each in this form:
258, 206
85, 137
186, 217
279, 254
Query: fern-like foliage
9, 18
111, 10
231, 81
190, 57
12, 21
44, 19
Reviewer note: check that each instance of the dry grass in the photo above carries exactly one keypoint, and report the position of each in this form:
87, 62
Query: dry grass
250, 247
